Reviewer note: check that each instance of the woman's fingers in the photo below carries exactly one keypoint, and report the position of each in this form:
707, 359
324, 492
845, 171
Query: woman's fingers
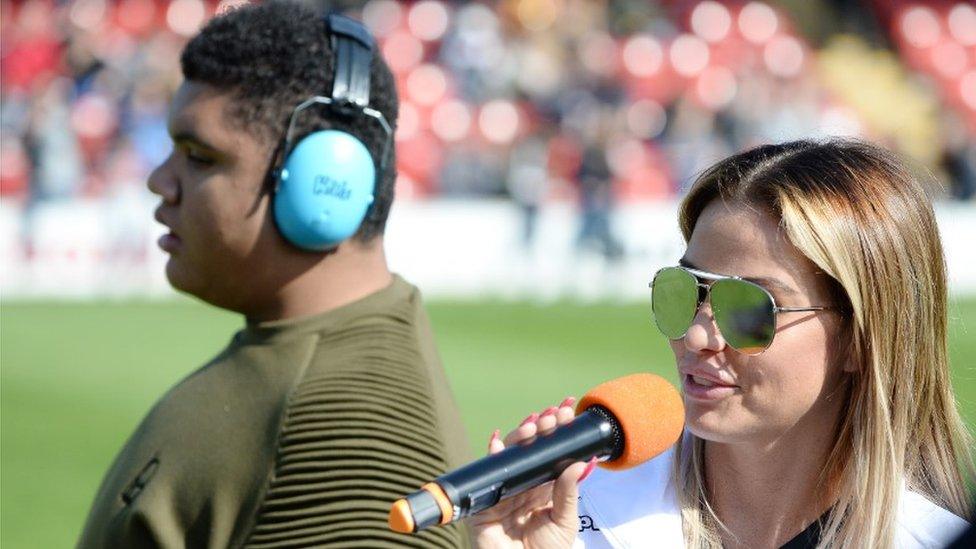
544, 515
556, 416
566, 414
542, 422
495, 444
522, 433
547, 420
565, 492
590, 465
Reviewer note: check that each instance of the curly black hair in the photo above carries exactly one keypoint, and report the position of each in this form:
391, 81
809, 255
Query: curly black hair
271, 57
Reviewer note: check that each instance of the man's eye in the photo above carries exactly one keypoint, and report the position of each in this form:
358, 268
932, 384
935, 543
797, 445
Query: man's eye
199, 158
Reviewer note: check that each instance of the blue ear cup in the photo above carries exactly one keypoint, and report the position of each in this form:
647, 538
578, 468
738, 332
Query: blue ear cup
325, 188
325, 184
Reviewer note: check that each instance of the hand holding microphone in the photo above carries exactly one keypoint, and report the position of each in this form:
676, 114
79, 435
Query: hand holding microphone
544, 516
622, 423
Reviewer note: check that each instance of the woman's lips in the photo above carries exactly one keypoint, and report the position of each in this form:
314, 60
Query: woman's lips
169, 242
701, 388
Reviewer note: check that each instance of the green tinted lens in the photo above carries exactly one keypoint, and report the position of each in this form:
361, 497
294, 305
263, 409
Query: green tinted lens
744, 314
674, 300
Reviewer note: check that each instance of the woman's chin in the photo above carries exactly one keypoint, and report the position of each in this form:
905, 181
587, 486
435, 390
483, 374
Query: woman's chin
713, 426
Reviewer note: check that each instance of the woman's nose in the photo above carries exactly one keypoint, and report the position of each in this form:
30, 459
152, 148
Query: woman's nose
703, 334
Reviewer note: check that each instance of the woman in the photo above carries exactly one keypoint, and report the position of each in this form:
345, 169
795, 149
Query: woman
808, 322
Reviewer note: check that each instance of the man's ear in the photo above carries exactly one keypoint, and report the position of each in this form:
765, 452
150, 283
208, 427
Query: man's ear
270, 178
274, 166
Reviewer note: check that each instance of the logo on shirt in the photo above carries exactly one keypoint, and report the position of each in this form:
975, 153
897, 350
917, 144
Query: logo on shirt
586, 523
142, 479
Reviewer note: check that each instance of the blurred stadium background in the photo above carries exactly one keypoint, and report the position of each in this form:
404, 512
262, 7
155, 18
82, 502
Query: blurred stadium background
543, 145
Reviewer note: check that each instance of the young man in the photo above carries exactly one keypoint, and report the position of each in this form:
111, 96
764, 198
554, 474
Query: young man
331, 403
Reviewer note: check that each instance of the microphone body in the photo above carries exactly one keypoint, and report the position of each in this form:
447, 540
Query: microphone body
622, 422
483, 483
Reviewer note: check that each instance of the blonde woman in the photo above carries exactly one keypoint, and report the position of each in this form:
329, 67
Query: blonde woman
808, 322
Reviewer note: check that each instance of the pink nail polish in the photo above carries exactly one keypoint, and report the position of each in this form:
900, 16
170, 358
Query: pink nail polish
494, 437
530, 419
568, 401
549, 411
589, 469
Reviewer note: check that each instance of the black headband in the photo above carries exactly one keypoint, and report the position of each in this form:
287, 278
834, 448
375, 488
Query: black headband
352, 48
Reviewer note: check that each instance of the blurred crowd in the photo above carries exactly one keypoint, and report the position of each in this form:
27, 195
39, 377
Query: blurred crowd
598, 101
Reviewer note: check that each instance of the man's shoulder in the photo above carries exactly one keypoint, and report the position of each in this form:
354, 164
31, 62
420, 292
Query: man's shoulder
218, 423
923, 524
206, 446
242, 380
389, 327
390, 303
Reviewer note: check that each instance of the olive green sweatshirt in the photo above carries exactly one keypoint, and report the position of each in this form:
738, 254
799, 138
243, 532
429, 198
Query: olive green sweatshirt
300, 433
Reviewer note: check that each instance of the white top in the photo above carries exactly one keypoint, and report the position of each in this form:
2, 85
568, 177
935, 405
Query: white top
638, 508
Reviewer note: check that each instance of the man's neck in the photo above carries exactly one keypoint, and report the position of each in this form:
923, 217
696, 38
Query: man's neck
349, 274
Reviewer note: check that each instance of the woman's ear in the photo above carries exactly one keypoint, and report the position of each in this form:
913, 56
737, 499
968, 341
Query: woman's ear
847, 354
843, 348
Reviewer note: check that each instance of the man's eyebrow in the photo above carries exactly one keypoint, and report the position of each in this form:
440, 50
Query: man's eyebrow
186, 136
763, 281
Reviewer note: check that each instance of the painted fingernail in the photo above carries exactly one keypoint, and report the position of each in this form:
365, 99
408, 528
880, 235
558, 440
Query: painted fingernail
568, 401
589, 469
548, 411
494, 437
530, 419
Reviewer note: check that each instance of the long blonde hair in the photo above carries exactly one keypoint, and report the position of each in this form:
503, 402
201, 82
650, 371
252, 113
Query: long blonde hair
864, 220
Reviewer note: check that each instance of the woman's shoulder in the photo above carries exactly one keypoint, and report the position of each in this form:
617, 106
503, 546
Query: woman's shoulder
641, 480
622, 508
922, 523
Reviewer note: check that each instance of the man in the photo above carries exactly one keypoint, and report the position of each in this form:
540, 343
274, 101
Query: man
331, 403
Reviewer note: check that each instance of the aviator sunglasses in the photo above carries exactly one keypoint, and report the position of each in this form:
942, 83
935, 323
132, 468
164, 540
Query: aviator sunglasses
744, 311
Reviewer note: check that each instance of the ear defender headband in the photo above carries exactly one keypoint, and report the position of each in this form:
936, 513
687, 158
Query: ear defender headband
325, 185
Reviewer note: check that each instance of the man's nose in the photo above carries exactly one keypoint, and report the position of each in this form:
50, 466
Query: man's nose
163, 181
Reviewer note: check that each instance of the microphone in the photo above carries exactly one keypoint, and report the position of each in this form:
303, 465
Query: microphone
623, 422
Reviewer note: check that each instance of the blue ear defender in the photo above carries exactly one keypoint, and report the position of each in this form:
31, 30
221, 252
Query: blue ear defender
317, 208
326, 182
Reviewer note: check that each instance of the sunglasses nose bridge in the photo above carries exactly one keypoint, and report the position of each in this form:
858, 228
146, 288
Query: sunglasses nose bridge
704, 298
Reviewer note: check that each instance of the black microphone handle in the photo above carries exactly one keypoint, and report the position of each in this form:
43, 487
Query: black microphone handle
483, 483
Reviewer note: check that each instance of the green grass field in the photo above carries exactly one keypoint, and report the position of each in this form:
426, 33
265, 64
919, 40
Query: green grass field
76, 379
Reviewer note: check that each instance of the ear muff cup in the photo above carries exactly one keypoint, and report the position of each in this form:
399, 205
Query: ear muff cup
325, 188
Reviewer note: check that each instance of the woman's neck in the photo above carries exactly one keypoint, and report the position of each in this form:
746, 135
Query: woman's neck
767, 492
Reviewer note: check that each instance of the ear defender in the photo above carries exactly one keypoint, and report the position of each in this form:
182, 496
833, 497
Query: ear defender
325, 189
326, 182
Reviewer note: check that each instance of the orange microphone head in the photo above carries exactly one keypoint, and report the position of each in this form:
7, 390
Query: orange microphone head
650, 413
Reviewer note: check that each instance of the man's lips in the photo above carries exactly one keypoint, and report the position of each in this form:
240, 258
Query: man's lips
170, 241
